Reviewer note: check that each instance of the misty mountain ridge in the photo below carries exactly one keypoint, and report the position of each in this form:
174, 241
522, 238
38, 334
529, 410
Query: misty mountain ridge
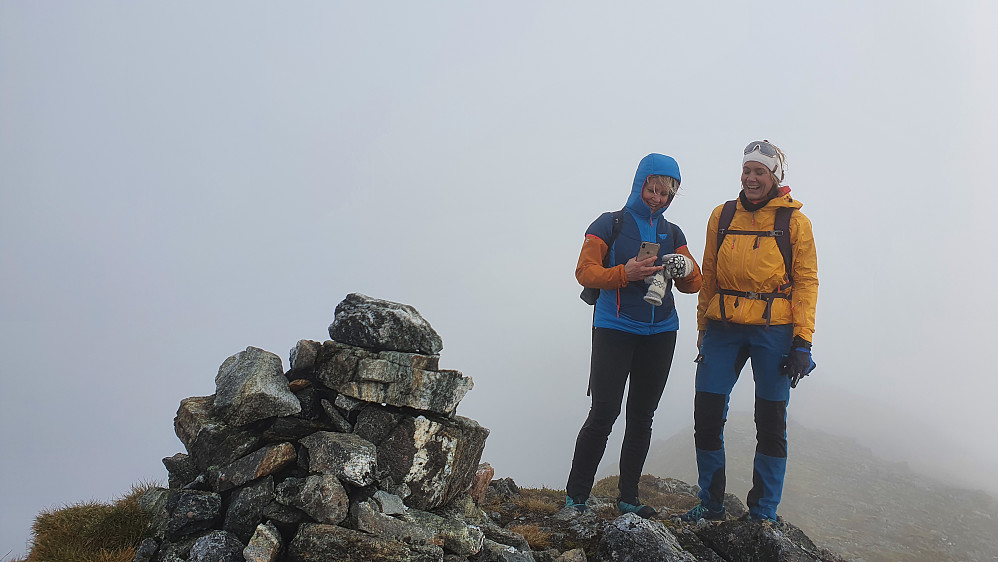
849, 500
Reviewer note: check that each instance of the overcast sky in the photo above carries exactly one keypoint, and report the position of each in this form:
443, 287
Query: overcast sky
181, 180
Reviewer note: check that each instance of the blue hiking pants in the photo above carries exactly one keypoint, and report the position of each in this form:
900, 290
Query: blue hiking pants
725, 349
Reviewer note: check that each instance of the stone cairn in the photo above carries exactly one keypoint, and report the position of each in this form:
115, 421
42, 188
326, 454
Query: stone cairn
354, 453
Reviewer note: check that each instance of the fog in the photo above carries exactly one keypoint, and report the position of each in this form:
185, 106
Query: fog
179, 181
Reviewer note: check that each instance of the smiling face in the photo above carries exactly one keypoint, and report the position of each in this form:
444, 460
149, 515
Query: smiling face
757, 181
657, 191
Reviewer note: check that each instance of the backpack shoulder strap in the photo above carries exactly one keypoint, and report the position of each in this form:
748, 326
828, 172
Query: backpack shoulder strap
618, 220
781, 227
727, 213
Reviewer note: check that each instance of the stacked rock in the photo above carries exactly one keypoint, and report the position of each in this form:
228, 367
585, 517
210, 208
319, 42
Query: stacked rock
354, 453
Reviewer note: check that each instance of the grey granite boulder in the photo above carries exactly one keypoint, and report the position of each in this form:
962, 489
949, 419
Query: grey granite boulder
302, 358
345, 455
375, 422
756, 540
365, 516
316, 542
192, 511
155, 502
495, 552
209, 440
631, 538
454, 536
217, 546
146, 550
324, 499
246, 506
435, 458
259, 463
379, 324
251, 386
182, 470
398, 379
266, 544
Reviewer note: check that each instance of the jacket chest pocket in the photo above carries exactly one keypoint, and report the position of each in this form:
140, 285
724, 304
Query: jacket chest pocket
749, 262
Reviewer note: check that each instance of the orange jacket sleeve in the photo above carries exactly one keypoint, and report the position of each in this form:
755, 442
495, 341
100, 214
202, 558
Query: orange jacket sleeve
692, 282
590, 271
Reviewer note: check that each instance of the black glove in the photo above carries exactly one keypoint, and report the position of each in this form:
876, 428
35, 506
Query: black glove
798, 362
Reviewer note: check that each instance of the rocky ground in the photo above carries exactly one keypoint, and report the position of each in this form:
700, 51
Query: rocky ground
555, 533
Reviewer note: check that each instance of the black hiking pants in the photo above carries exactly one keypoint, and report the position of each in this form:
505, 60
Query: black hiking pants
642, 363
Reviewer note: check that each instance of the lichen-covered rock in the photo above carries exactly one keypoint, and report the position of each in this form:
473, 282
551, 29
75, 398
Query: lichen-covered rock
155, 502
389, 504
631, 538
385, 377
574, 555
181, 469
293, 428
246, 507
265, 545
217, 546
495, 552
454, 536
336, 420
146, 550
365, 516
756, 540
209, 440
303, 356
257, 464
193, 511
251, 386
344, 455
376, 422
435, 458
320, 543
324, 499
379, 324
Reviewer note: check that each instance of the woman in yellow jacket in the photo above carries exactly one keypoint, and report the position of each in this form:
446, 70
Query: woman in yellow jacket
757, 302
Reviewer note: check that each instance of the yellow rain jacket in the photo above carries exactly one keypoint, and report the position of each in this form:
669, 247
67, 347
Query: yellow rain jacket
748, 263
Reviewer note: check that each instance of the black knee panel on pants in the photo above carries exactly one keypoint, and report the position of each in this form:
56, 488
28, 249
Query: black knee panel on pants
708, 416
771, 427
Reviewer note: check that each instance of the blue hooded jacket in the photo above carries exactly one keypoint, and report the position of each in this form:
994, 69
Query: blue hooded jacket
625, 309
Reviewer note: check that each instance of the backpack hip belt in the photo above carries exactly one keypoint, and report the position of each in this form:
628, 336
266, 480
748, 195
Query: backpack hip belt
751, 295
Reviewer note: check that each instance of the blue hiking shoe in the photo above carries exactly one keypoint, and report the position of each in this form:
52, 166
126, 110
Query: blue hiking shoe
641, 510
761, 519
580, 507
702, 512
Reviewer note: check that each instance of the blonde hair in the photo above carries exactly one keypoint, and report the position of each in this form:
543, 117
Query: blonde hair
668, 182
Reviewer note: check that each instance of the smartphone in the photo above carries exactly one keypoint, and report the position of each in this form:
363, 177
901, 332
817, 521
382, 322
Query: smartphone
647, 250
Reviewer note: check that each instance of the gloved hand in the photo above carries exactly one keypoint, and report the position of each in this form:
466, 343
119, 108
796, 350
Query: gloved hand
677, 266
798, 363
657, 289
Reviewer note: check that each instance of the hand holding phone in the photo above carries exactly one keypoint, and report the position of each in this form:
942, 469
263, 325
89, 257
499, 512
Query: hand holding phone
635, 270
647, 250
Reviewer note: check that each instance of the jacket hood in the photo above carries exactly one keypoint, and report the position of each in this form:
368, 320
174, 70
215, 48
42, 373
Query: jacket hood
651, 165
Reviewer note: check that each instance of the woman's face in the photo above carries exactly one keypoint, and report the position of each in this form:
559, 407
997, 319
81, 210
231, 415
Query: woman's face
656, 192
757, 181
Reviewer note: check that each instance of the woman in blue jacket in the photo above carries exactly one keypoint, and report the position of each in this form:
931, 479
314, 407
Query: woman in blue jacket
632, 338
